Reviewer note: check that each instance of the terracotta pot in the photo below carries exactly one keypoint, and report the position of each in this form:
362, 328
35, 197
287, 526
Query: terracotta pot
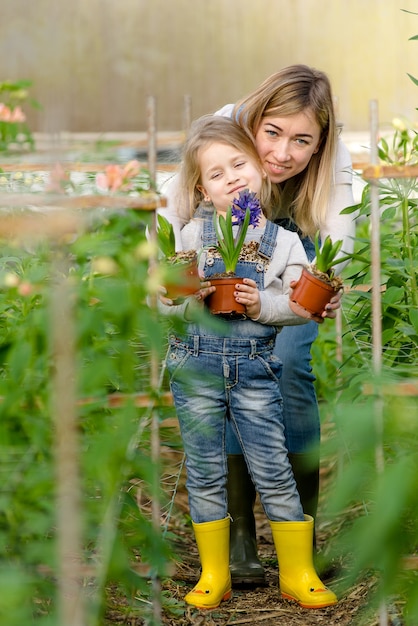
313, 293
183, 280
222, 301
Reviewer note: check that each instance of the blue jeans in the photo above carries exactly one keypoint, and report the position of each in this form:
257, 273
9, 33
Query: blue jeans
215, 380
300, 406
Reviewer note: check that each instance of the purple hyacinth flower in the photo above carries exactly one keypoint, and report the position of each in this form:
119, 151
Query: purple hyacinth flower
246, 200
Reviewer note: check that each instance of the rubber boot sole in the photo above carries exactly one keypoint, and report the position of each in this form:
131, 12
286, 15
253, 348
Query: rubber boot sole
227, 596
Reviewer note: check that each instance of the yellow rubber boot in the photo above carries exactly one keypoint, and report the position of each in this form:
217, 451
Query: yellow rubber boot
214, 585
297, 576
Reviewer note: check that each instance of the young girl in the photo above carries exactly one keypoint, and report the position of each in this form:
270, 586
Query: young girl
228, 371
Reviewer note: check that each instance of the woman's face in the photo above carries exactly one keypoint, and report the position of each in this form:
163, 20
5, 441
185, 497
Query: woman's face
225, 171
286, 144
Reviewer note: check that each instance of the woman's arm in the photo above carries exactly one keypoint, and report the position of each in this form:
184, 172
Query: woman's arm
341, 226
285, 266
169, 191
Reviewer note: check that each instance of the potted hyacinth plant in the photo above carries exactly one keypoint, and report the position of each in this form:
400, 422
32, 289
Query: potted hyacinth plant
181, 276
245, 211
318, 282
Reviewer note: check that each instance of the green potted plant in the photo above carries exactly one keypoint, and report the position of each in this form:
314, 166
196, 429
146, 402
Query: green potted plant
181, 276
318, 282
245, 211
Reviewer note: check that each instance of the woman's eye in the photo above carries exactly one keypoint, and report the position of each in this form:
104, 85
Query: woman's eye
301, 142
271, 133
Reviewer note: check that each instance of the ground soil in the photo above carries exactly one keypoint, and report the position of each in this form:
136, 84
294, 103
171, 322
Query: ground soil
260, 606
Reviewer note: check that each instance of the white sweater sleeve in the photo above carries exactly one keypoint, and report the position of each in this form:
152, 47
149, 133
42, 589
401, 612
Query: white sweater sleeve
339, 226
169, 191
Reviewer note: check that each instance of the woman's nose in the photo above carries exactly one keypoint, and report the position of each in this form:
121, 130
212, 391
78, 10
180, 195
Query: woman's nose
282, 150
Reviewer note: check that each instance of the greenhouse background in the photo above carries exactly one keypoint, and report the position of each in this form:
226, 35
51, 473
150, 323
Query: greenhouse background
94, 523
94, 62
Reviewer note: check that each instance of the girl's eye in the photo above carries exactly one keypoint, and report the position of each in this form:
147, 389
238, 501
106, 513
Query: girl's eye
215, 175
240, 164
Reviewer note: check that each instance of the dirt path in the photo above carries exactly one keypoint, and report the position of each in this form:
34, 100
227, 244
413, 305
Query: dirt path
261, 606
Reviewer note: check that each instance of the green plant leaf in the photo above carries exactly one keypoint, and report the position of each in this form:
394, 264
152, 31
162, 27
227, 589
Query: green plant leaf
165, 236
414, 80
413, 318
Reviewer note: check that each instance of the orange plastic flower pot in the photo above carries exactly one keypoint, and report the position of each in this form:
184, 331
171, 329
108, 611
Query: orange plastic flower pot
183, 280
312, 293
222, 301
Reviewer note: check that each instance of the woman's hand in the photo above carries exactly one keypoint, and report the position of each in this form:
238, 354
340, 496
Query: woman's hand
201, 294
205, 290
330, 309
333, 306
247, 294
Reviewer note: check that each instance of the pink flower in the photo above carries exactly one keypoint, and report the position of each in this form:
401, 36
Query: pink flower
115, 178
111, 179
25, 288
17, 115
11, 115
58, 178
131, 169
101, 181
5, 113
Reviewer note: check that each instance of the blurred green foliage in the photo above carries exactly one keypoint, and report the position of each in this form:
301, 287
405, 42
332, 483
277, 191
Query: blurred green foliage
15, 134
372, 437
106, 268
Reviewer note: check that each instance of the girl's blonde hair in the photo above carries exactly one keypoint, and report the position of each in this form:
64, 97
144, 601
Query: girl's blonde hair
295, 89
205, 131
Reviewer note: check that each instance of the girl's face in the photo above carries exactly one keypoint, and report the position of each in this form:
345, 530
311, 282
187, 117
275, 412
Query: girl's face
225, 171
286, 144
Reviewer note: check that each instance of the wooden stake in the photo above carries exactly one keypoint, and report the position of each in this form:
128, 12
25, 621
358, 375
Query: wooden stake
68, 489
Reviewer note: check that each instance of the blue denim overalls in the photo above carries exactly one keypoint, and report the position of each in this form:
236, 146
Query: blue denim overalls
232, 375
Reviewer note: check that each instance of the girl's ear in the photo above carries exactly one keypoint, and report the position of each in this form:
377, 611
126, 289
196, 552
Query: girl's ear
202, 190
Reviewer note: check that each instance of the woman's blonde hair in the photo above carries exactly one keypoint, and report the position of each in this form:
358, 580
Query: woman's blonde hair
292, 90
203, 132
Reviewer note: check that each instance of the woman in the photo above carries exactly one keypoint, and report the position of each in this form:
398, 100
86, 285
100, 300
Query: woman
291, 119
229, 374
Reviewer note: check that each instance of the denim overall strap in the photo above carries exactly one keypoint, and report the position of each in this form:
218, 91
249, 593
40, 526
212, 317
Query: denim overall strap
268, 241
209, 232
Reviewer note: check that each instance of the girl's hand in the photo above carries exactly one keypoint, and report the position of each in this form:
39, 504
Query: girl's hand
205, 290
248, 295
162, 296
199, 295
